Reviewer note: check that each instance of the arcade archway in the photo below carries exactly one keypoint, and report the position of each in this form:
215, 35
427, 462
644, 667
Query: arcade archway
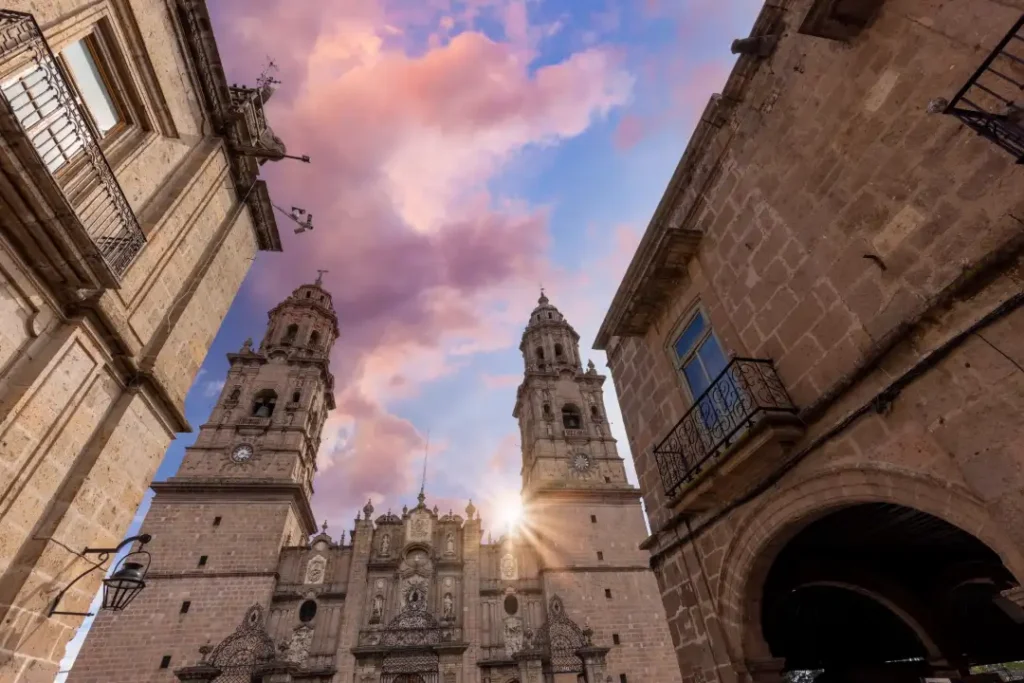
885, 593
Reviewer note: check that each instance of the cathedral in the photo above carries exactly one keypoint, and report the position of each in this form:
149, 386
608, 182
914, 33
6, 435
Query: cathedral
242, 586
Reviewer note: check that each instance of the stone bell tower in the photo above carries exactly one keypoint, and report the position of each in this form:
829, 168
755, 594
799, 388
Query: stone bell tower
242, 493
580, 513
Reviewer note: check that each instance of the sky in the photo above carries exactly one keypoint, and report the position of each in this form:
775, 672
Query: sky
464, 153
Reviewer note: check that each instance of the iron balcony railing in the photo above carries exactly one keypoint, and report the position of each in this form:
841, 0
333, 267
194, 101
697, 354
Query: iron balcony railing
46, 110
992, 101
742, 394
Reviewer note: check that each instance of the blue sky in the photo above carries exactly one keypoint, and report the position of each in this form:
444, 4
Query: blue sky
464, 151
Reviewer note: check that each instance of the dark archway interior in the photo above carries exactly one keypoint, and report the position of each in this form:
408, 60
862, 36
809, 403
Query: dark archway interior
834, 595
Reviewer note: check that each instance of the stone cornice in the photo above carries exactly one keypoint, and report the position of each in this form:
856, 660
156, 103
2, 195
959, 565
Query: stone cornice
221, 486
661, 260
594, 568
614, 493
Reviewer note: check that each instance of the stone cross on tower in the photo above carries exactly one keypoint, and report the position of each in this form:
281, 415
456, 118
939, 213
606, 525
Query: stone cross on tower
320, 276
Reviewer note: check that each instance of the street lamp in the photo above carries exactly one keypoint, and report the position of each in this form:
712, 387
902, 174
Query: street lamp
121, 587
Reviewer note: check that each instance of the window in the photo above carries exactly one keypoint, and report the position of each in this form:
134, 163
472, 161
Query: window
558, 350
571, 416
202, 560
235, 394
622, 678
547, 410
540, 353
615, 639
600, 555
46, 120
216, 521
290, 333
701, 361
314, 339
608, 593
307, 611
511, 605
593, 519
594, 413
607, 480
309, 294
165, 661
263, 403
296, 396
184, 607
699, 355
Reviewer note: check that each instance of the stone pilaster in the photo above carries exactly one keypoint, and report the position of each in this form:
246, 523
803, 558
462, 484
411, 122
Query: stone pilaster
362, 539
471, 594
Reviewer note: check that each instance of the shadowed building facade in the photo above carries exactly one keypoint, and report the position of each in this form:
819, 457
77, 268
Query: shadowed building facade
412, 595
130, 212
819, 350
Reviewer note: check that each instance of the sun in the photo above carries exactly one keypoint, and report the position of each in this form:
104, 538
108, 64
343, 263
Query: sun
511, 511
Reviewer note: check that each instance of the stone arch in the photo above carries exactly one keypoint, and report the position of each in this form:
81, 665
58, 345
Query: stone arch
766, 528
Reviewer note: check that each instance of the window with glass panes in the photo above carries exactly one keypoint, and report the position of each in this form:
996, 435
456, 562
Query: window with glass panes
699, 355
46, 119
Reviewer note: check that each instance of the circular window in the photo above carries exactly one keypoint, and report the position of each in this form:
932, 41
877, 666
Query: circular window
307, 611
511, 605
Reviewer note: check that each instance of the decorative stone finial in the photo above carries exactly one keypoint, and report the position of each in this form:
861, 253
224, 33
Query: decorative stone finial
323, 528
421, 497
405, 510
435, 509
368, 509
247, 345
320, 277
470, 509
543, 300
590, 366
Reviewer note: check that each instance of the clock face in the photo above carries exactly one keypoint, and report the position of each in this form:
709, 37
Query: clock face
580, 462
242, 453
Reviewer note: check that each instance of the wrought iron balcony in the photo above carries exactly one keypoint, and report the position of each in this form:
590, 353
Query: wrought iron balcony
41, 111
744, 393
992, 101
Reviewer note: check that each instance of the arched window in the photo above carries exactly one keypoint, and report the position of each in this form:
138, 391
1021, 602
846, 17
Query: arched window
314, 339
540, 353
263, 403
307, 611
309, 294
547, 410
290, 334
296, 396
558, 350
594, 413
571, 416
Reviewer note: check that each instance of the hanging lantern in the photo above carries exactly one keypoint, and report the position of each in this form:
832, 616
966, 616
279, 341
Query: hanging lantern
127, 581
121, 587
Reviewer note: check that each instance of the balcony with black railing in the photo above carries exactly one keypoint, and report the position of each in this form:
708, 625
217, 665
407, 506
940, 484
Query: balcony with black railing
74, 212
991, 103
727, 414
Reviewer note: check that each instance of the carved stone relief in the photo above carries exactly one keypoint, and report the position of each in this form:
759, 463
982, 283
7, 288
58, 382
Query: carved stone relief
377, 610
448, 606
315, 569
385, 545
449, 544
513, 635
509, 567
298, 646
419, 527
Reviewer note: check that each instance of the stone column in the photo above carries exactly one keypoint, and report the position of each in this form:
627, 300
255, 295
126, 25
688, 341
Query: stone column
531, 668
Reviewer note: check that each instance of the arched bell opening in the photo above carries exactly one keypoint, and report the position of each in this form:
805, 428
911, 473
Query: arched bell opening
887, 593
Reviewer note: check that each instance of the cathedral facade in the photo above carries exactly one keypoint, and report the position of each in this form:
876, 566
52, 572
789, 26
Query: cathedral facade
240, 586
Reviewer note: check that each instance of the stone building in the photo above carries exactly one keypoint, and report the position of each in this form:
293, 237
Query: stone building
819, 350
130, 212
411, 596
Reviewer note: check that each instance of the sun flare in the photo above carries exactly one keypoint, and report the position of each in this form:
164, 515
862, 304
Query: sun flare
511, 512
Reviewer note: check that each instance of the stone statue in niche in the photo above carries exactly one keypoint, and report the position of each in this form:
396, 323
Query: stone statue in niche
377, 612
513, 635
449, 544
448, 607
385, 545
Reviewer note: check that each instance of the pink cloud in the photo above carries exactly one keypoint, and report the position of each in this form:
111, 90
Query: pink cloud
501, 381
630, 131
426, 265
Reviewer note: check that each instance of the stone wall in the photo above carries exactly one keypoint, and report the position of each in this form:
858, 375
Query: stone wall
80, 434
847, 235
